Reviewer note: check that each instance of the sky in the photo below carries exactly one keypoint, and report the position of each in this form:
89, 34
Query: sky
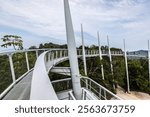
41, 21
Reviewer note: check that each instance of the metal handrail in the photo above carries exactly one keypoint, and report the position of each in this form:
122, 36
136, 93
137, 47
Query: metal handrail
29, 50
40, 76
90, 95
13, 84
71, 95
55, 49
62, 80
85, 93
117, 97
46, 91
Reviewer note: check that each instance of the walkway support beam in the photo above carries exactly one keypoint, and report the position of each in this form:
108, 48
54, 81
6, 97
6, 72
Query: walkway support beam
72, 52
83, 51
100, 55
110, 59
149, 60
126, 64
12, 68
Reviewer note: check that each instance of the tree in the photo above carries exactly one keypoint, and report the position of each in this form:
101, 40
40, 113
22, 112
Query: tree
12, 40
33, 47
138, 75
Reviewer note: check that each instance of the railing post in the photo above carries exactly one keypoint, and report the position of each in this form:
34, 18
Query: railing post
53, 57
27, 61
100, 91
60, 53
88, 52
126, 64
49, 56
90, 85
12, 67
36, 53
67, 84
105, 95
64, 53
84, 95
69, 95
56, 54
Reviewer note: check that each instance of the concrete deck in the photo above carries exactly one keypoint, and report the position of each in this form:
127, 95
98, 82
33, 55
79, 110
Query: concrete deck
21, 91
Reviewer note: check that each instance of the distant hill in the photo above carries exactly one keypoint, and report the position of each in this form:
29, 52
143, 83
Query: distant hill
138, 54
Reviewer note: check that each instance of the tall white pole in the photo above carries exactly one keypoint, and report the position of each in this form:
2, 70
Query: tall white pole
72, 52
83, 51
110, 59
100, 55
149, 60
126, 64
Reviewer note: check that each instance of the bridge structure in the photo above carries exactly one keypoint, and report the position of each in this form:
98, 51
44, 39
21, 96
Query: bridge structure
35, 84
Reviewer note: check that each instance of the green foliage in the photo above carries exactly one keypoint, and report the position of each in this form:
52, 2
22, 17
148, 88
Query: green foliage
52, 45
32, 59
20, 68
119, 71
12, 40
33, 47
5, 73
19, 62
138, 75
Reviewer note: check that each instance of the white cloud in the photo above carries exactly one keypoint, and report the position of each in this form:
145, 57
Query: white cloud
119, 18
41, 17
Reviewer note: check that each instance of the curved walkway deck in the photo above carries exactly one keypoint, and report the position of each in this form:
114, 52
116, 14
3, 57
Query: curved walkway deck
21, 91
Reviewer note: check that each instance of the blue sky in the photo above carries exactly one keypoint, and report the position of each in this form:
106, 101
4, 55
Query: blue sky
40, 21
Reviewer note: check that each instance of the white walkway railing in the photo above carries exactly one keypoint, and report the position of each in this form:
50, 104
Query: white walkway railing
45, 62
